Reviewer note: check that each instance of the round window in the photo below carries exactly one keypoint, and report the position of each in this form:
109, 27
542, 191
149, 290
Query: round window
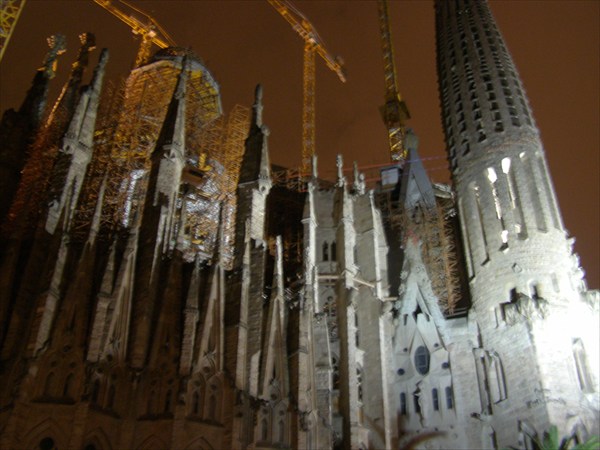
422, 360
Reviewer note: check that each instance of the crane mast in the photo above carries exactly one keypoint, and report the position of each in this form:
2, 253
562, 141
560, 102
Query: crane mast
10, 10
394, 111
150, 32
312, 45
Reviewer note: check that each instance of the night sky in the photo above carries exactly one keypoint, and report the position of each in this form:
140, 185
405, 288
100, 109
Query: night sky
555, 45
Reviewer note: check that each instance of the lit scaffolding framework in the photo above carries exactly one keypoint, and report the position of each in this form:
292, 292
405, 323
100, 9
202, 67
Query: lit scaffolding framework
130, 118
146, 97
223, 140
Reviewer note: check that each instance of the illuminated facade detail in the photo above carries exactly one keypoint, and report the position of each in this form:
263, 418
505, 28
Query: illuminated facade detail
147, 306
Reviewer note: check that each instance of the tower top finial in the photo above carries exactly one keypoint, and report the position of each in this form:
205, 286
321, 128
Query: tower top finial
339, 162
58, 45
257, 107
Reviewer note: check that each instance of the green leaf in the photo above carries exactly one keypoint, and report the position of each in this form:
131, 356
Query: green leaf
593, 443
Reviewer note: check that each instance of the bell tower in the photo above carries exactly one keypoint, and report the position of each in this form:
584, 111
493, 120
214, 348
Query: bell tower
525, 283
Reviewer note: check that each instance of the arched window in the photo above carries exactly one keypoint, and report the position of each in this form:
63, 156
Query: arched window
325, 251
436, 399
333, 251
422, 360
68, 386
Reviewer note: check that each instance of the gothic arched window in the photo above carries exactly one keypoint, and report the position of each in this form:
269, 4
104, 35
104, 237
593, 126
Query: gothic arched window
325, 251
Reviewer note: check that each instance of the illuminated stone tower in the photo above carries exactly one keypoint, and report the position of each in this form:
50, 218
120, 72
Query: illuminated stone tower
528, 301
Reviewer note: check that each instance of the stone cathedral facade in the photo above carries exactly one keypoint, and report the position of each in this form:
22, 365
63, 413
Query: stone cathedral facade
147, 304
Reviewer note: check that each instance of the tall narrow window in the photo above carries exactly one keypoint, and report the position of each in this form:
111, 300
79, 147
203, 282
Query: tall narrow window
449, 398
583, 374
68, 386
168, 399
402, 403
196, 403
281, 431
422, 360
359, 382
333, 251
151, 400
95, 391
416, 402
436, 399
264, 431
110, 401
212, 407
325, 251
49, 386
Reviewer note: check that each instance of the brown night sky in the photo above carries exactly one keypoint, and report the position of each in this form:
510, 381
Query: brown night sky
555, 45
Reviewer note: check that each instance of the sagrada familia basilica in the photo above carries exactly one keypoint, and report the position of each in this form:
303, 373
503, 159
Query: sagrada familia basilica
161, 288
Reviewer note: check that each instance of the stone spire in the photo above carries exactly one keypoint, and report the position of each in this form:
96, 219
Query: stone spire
172, 134
255, 164
35, 101
483, 99
67, 99
518, 258
495, 153
75, 152
157, 226
19, 128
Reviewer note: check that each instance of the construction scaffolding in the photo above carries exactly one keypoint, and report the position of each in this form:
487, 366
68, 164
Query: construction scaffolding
435, 228
221, 151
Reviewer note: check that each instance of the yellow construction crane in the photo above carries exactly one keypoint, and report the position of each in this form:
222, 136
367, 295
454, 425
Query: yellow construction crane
150, 31
10, 10
394, 111
312, 44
